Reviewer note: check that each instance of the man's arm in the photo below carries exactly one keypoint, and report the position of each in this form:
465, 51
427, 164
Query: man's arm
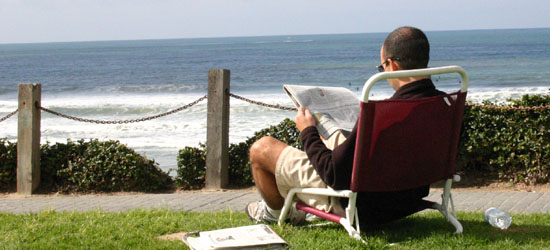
319, 155
304, 119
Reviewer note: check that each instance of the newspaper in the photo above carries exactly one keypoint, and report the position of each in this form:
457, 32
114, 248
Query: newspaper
336, 108
248, 237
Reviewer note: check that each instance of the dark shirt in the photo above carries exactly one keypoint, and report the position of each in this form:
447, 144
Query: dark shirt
335, 167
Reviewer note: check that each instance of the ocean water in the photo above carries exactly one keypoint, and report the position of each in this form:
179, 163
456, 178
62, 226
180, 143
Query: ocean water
114, 80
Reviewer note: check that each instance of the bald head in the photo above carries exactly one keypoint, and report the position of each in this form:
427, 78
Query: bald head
408, 46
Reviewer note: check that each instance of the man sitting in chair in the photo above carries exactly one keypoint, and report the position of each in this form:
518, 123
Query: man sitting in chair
277, 167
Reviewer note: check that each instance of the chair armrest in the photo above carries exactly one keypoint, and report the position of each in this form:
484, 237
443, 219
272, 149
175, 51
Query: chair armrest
412, 73
320, 191
456, 178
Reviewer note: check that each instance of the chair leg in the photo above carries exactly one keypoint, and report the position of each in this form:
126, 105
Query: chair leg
286, 208
352, 232
443, 208
352, 218
347, 222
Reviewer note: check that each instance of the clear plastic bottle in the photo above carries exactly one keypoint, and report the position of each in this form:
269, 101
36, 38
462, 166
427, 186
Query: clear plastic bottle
498, 218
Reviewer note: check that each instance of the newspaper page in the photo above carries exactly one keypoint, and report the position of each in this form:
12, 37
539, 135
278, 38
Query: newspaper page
336, 108
247, 237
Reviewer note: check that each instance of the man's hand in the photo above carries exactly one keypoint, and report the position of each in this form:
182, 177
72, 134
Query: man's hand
304, 119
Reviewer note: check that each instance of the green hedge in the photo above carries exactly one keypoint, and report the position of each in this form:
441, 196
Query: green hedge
191, 167
511, 145
8, 163
87, 166
507, 145
191, 161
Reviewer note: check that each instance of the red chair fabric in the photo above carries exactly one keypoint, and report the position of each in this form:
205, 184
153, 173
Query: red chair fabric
403, 144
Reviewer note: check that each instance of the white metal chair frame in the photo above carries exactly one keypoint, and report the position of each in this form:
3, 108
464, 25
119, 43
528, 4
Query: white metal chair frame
351, 220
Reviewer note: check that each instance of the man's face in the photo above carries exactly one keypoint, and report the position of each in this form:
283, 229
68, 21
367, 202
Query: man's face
385, 64
383, 61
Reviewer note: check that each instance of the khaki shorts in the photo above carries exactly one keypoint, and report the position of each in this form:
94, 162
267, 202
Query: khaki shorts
293, 170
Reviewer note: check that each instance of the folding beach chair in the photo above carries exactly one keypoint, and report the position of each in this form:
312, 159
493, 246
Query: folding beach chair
401, 144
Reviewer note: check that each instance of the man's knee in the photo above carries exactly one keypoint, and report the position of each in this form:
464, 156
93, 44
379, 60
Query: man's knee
265, 152
260, 148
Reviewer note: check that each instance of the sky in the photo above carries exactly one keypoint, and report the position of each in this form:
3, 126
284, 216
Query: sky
31, 21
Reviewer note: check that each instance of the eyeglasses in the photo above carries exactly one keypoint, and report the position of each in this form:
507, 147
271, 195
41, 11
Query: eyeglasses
380, 67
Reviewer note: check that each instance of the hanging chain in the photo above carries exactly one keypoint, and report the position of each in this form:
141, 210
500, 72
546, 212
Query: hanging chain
276, 106
507, 108
9, 115
124, 121
478, 105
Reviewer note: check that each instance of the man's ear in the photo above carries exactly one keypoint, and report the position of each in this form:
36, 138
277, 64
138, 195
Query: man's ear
393, 65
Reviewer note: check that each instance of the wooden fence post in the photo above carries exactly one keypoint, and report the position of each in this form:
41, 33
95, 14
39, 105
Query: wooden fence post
28, 138
217, 134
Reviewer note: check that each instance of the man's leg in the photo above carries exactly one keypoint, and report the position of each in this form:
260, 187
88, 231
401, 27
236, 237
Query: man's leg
276, 168
264, 154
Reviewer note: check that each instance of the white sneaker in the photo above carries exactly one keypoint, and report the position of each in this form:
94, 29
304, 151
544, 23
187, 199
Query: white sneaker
257, 212
312, 217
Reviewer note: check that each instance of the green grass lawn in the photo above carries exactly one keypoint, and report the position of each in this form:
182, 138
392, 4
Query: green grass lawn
137, 229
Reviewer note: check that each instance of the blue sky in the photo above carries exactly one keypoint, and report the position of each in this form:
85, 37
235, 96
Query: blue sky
26, 21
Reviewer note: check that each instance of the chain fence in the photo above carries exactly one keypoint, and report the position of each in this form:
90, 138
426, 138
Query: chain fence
124, 121
275, 106
478, 105
9, 115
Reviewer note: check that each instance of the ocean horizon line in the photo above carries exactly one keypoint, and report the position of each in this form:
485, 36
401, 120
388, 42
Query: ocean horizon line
254, 36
